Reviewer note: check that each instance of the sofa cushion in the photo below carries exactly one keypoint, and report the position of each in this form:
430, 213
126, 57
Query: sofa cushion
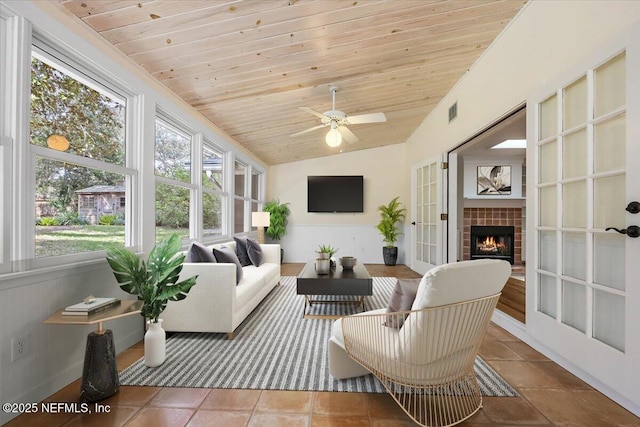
241, 250
336, 328
228, 255
443, 285
401, 300
461, 281
252, 280
254, 251
199, 253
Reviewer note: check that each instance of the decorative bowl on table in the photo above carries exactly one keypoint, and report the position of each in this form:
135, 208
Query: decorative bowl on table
348, 262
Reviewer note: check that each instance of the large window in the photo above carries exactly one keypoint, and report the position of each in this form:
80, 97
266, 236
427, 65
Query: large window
248, 193
73, 179
214, 197
173, 148
240, 189
77, 136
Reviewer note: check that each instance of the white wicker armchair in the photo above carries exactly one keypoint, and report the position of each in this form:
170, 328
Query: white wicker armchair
427, 364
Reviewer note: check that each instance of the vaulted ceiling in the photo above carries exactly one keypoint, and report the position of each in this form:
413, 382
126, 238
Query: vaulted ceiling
248, 65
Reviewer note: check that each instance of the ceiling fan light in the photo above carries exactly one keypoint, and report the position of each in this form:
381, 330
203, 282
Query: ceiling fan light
333, 138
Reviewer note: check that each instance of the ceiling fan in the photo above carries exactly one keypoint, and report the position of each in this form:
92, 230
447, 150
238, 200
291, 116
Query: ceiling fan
338, 122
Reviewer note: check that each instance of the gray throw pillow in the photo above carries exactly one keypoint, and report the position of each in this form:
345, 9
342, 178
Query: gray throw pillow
227, 255
199, 253
241, 250
401, 299
255, 252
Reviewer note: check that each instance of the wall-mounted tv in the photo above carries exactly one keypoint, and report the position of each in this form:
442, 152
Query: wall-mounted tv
335, 193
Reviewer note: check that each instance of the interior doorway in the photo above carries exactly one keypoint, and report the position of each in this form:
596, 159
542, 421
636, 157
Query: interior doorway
489, 199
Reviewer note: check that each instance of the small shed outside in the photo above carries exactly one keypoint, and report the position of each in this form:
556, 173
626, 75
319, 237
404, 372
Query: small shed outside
98, 200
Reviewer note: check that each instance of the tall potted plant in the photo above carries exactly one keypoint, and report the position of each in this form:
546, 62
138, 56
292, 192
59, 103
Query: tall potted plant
390, 216
278, 213
155, 283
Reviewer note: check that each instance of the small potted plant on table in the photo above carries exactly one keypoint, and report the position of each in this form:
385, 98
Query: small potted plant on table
325, 252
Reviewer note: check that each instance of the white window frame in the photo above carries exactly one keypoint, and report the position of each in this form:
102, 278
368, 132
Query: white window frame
223, 193
5, 146
245, 197
183, 130
24, 159
18, 39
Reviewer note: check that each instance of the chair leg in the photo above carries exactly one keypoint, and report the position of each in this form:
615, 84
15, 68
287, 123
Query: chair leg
438, 405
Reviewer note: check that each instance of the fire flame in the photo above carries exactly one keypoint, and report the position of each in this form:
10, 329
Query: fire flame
490, 245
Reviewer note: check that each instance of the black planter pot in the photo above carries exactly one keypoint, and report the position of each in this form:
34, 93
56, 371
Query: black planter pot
390, 255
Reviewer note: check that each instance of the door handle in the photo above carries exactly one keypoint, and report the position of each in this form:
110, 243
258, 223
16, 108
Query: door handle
413, 223
633, 207
631, 231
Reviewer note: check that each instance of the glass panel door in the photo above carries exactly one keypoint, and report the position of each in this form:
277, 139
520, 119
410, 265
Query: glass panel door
427, 249
581, 192
583, 258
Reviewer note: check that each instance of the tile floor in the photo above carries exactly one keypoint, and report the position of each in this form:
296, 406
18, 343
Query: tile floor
550, 396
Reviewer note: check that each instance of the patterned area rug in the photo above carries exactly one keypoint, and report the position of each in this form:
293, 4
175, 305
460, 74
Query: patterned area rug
274, 349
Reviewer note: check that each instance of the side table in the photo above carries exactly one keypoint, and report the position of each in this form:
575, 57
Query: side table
99, 374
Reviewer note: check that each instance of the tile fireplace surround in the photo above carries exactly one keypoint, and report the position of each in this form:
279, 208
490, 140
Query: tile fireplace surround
492, 216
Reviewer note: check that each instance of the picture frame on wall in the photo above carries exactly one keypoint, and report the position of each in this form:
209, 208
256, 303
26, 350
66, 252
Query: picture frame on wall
494, 180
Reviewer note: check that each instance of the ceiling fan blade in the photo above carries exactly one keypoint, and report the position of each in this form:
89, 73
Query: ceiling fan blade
314, 112
347, 135
310, 129
366, 118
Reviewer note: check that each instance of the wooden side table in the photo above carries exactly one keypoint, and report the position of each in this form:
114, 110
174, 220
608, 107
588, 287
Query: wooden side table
99, 374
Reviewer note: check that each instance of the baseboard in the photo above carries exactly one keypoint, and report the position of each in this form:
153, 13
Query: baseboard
519, 330
62, 379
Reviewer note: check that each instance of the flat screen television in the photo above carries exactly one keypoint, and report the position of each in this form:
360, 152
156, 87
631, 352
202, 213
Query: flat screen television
335, 193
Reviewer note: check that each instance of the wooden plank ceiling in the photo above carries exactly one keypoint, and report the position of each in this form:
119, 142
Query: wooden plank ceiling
248, 65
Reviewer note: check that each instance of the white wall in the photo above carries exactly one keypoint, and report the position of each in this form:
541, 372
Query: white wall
385, 177
55, 353
543, 41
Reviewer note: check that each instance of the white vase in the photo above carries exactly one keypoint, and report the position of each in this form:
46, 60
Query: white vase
323, 266
154, 344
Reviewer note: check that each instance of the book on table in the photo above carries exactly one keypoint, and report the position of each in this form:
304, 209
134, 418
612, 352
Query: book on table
96, 306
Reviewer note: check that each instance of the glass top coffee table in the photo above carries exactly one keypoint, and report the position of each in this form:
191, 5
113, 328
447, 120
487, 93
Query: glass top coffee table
339, 287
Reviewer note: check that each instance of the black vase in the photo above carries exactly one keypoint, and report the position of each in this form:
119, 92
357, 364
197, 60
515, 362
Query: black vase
390, 255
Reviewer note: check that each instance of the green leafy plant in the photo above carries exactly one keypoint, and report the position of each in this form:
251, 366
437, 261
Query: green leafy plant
390, 216
156, 281
327, 249
278, 213
70, 218
48, 221
108, 219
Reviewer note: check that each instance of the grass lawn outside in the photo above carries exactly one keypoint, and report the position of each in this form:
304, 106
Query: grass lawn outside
64, 240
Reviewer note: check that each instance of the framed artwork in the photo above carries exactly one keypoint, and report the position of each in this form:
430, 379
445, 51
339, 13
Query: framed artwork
494, 180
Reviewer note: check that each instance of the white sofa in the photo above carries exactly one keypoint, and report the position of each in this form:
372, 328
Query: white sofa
216, 303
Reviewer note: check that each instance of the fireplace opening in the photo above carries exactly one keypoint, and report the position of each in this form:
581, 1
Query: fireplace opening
492, 241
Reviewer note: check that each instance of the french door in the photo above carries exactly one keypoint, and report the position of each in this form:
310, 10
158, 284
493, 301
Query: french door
583, 276
428, 180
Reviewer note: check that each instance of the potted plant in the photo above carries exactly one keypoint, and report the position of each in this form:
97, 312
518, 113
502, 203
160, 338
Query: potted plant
326, 251
278, 213
324, 263
390, 216
155, 283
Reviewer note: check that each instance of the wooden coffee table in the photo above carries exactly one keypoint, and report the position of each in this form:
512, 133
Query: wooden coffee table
356, 283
